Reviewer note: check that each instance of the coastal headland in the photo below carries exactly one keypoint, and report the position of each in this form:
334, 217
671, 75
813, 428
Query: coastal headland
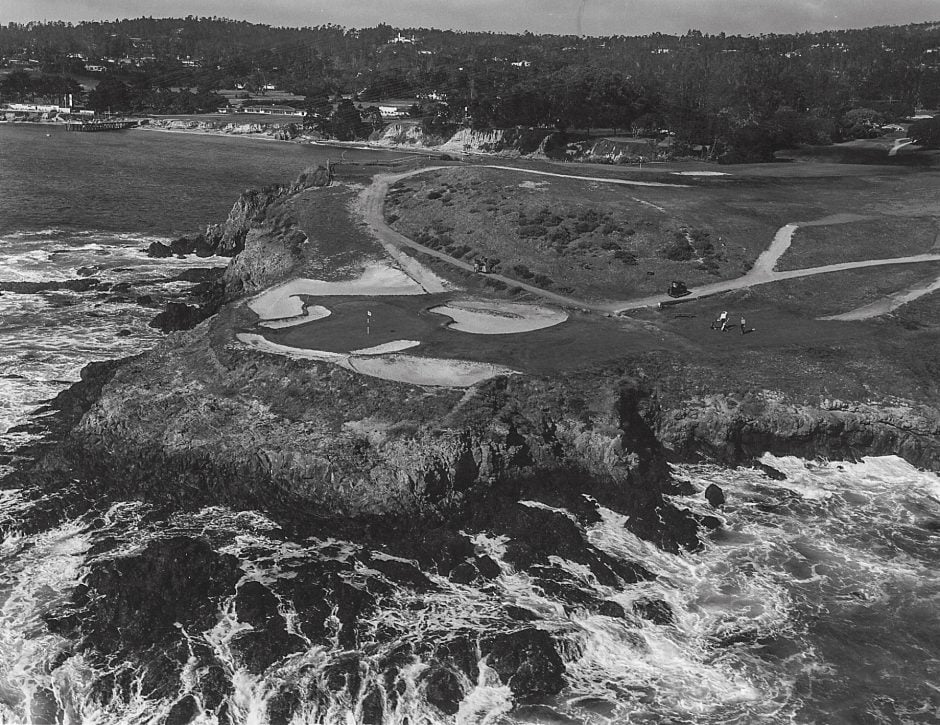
355, 373
365, 281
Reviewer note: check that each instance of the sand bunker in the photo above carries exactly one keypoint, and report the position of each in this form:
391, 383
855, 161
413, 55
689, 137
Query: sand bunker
492, 317
309, 314
400, 368
700, 173
283, 302
428, 371
393, 346
257, 342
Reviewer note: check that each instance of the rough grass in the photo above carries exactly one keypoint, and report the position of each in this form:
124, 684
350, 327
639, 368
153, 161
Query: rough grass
568, 236
815, 246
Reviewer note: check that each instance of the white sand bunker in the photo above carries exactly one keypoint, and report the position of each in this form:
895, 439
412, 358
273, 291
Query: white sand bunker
700, 173
393, 346
309, 314
492, 317
401, 368
428, 371
283, 303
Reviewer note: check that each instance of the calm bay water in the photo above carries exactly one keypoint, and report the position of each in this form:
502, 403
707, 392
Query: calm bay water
145, 182
87, 204
818, 601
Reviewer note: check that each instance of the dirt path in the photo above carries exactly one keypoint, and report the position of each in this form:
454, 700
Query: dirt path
888, 304
371, 206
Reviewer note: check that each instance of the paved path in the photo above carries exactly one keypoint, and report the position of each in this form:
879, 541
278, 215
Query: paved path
372, 203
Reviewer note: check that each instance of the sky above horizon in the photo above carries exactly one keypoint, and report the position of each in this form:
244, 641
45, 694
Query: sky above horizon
587, 17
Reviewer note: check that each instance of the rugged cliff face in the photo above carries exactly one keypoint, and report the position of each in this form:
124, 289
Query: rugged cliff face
228, 237
201, 420
261, 431
734, 429
280, 131
539, 143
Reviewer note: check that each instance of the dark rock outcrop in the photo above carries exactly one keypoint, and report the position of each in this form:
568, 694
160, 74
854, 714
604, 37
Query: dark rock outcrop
159, 250
178, 316
527, 661
268, 641
69, 285
612, 609
724, 429
228, 238
772, 472
655, 610
714, 495
442, 689
135, 609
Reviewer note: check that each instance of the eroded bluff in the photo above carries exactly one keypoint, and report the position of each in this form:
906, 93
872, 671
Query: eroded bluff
198, 420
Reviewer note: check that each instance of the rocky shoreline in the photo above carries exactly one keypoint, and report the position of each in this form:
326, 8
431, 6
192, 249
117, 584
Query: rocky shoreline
426, 458
412, 471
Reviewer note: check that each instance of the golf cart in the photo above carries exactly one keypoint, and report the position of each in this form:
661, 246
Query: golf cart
678, 289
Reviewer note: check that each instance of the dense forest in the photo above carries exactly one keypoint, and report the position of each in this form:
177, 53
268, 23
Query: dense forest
744, 94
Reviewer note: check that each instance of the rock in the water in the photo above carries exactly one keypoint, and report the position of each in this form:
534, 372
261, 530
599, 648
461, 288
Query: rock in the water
135, 609
655, 610
714, 495
282, 706
609, 608
443, 690
526, 661
269, 640
183, 245
43, 708
344, 674
373, 708
463, 573
159, 250
521, 614
772, 472
401, 572
177, 316
488, 568
182, 712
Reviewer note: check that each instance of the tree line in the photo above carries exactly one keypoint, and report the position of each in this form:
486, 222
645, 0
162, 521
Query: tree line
744, 95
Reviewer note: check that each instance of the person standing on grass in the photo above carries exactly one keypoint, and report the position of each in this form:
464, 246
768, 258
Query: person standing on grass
743, 325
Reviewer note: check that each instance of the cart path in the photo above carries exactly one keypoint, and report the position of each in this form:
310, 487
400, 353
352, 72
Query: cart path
887, 304
371, 206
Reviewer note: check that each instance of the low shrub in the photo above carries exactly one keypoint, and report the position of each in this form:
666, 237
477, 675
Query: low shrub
520, 270
542, 280
679, 250
530, 231
434, 195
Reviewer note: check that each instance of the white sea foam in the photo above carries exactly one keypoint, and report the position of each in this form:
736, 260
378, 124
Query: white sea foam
34, 578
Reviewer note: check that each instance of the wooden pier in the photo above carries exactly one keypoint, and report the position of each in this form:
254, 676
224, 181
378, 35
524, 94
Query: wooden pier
99, 125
